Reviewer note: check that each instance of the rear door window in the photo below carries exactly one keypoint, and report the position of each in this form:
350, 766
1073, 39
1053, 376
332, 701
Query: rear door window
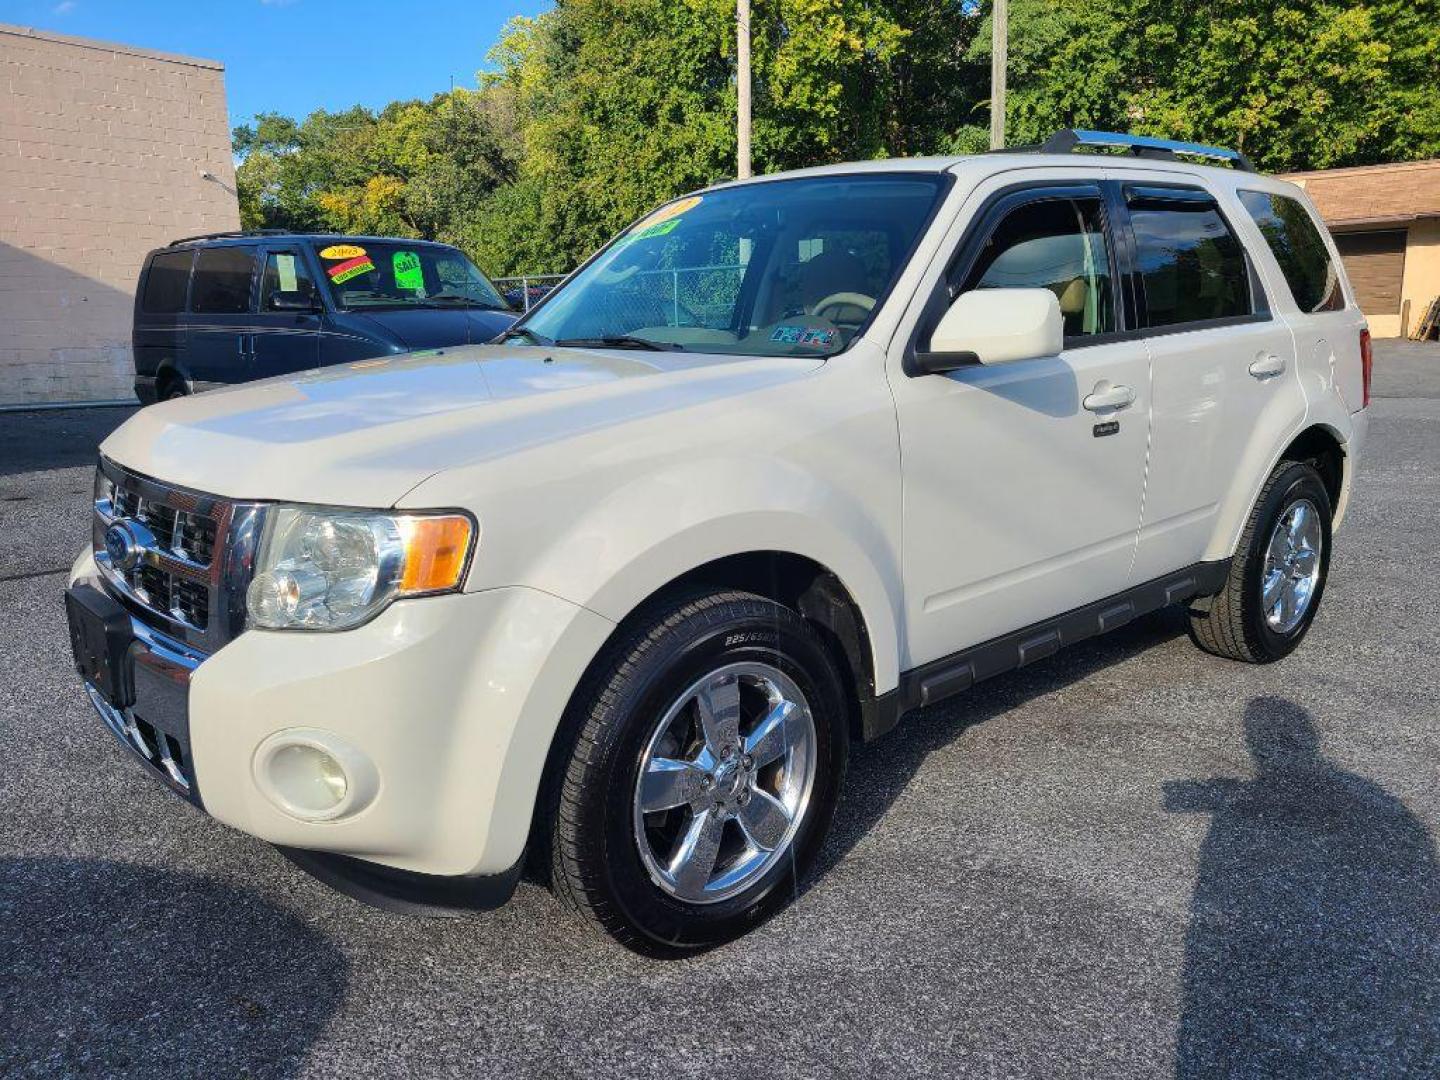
1192, 266
222, 280
285, 272
167, 282
1299, 249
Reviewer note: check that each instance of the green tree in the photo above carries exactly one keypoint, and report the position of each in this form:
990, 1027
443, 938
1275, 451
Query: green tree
597, 110
1294, 83
415, 169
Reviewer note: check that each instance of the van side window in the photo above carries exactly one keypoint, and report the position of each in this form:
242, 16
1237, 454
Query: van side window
1299, 249
222, 280
1055, 244
285, 272
1192, 266
167, 282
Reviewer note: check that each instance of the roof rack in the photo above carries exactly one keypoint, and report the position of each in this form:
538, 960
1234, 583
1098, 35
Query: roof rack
1067, 140
231, 234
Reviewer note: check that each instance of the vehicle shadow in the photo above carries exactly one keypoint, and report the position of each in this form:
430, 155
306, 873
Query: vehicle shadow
1314, 941
113, 969
880, 772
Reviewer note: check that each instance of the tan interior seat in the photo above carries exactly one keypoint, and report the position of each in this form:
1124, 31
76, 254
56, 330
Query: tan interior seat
1072, 295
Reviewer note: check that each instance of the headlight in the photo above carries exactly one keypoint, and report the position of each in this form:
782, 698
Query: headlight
334, 569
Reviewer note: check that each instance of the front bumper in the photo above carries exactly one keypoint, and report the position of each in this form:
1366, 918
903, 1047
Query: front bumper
452, 700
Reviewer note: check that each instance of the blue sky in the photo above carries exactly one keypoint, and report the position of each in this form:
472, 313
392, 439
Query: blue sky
294, 56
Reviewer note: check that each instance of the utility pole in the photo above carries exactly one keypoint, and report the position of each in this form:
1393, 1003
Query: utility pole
742, 87
999, 53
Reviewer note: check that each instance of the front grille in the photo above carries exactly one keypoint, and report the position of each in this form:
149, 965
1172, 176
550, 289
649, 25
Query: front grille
190, 602
194, 556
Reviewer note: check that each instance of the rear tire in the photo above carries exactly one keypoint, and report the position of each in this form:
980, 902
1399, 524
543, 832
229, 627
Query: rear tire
1278, 574
171, 388
675, 715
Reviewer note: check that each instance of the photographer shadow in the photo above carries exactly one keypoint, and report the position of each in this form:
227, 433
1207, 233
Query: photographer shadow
1314, 940
111, 969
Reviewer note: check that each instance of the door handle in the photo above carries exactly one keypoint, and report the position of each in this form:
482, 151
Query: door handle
1109, 396
1267, 365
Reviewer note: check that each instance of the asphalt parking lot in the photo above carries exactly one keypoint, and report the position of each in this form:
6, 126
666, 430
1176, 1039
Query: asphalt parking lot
1129, 860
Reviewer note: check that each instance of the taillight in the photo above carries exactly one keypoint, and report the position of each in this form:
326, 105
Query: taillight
1367, 360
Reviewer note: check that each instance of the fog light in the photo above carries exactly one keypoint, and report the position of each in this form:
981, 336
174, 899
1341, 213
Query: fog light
314, 775
310, 779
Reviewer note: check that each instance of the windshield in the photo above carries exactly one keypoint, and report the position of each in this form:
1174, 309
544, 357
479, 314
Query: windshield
395, 274
778, 268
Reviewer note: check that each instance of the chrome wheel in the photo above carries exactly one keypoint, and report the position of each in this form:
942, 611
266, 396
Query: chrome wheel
1292, 566
724, 782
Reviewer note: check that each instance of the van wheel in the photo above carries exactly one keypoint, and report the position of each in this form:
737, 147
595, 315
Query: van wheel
708, 750
171, 388
1278, 575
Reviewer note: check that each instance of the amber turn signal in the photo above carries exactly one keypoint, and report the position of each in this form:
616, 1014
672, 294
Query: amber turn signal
436, 550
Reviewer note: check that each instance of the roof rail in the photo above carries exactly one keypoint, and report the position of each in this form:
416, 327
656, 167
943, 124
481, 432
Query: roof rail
1067, 140
230, 234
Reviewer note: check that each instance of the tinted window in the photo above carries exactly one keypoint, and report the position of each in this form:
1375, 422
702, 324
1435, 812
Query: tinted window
285, 272
1055, 244
222, 280
166, 283
1298, 248
1192, 267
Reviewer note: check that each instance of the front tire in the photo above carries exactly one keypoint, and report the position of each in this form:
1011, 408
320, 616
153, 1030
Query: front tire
1277, 576
708, 749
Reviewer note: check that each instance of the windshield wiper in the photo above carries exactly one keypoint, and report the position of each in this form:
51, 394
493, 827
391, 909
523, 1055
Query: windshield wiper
620, 341
525, 332
440, 301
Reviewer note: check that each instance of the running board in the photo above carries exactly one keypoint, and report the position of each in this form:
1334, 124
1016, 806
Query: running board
954, 674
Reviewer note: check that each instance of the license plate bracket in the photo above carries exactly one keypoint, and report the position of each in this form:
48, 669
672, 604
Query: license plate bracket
100, 637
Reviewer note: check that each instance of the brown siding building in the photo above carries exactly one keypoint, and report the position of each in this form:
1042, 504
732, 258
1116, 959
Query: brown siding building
106, 151
1386, 223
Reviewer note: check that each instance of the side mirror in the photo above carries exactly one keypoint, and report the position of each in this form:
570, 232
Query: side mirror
994, 326
300, 302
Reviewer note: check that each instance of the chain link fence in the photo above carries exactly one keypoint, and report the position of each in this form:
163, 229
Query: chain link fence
523, 292
681, 296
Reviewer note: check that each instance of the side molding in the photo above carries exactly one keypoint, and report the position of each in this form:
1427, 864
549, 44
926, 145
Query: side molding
954, 674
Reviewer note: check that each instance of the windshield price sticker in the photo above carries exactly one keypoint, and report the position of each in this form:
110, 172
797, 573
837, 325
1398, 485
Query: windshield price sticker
667, 213
350, 268
407, 270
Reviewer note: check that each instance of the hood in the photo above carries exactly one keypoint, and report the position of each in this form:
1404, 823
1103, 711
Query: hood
434, 328
364, 434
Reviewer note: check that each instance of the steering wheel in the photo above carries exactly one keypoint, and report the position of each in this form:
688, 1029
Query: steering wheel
841, 300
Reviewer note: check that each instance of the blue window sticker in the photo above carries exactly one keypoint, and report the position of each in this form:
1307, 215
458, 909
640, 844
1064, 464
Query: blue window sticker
817, 338
787, 335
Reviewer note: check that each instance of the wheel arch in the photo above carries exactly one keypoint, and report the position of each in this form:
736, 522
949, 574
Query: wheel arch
1321, 446
1319, 442
167, 374
797, 581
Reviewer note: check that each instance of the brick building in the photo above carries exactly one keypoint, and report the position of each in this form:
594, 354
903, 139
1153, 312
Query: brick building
1386, 222
106, 151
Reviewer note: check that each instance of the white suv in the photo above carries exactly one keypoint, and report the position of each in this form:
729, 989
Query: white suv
786, 460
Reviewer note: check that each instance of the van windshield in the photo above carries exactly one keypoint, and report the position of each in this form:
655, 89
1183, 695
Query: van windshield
775, 268
393, 274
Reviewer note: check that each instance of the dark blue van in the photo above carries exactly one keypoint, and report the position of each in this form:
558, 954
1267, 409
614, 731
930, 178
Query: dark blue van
231, 307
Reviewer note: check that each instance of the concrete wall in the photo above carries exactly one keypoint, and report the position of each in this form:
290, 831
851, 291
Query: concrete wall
102, 151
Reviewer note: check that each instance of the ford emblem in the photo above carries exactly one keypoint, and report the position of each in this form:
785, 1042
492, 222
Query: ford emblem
125, 543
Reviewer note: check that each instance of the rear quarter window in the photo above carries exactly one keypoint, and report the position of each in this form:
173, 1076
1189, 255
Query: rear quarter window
166, 283
1299, 248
